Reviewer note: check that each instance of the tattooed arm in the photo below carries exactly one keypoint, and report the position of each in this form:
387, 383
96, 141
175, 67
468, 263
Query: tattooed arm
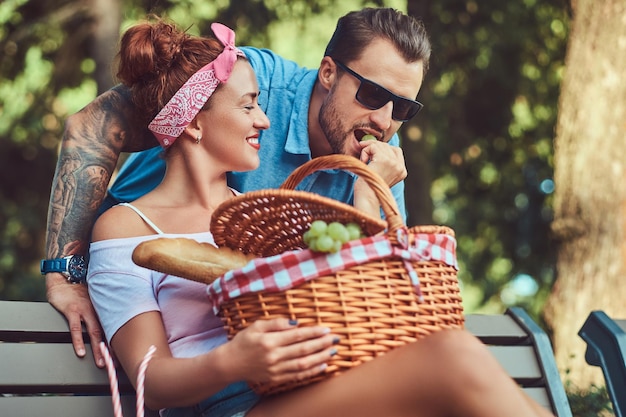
92, 142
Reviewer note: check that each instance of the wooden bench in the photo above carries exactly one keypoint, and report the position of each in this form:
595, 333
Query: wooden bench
606, 348
40, 375
525, 352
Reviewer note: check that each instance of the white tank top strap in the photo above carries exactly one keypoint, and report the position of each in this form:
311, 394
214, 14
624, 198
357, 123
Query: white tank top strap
143, 217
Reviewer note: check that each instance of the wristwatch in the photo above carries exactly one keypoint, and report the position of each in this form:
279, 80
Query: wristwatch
73, 267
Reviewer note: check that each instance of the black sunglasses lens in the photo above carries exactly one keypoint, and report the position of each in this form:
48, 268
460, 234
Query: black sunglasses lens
404, 109
372, 95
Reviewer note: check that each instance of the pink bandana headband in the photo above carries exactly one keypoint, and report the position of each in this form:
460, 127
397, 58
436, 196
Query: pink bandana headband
176, 115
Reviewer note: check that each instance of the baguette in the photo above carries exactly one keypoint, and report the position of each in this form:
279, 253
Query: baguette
188, 258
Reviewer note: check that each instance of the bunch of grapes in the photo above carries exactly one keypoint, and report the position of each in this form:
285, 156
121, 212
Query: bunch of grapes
323, 237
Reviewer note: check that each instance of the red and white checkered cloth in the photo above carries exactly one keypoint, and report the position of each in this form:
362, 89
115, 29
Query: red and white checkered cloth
292, 268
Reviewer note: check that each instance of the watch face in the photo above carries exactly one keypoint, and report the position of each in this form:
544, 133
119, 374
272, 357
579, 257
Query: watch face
77, 268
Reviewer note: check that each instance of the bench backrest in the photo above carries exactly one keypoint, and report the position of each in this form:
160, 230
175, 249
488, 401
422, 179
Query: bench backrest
525, 352
606, 348
40, 375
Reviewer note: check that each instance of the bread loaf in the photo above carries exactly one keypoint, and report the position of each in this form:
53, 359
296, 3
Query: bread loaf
188, 258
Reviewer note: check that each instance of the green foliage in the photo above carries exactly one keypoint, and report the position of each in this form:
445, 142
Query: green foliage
34, 39
47, 73
591, 402
491, 98
491, 103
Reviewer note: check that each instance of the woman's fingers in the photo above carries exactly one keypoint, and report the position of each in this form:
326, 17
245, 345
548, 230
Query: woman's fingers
282, 332
305, 357
288, 352
306, 348
301, 367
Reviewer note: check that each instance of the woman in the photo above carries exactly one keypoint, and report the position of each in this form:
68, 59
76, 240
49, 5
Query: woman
200, 95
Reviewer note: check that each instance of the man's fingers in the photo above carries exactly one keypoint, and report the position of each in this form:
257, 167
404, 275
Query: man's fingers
95, 337
385, 160
76, 330
72, 300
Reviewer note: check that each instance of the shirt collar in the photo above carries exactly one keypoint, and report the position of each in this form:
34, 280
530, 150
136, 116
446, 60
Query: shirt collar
298, 135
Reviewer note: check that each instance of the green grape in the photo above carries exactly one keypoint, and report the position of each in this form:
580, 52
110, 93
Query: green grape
368, 137
323, 237
338, 231
318, 228
354, 230
324, 244
306, 237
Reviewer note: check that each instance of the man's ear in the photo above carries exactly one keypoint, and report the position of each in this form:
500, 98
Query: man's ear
327, 74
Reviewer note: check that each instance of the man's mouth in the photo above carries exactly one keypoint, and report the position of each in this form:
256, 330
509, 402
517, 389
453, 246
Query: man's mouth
362, 135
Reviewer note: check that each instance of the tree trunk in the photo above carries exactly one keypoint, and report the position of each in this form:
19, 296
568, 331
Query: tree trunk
590, 197
417, 153
107, 18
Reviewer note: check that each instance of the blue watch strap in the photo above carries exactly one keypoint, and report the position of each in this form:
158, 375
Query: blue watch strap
53, 265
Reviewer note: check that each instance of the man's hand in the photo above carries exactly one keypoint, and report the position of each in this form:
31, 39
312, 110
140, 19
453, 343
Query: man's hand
72, 300
385, 160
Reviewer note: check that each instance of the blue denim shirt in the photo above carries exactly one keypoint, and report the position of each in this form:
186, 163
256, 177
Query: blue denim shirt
285, 92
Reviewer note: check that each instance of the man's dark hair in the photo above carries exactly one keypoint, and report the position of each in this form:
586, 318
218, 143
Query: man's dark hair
356, 30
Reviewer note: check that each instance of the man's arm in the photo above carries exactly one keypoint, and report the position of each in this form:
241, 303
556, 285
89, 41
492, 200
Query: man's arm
92, 142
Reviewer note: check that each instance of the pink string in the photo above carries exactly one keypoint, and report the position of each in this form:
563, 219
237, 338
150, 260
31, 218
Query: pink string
115, 394
141, 376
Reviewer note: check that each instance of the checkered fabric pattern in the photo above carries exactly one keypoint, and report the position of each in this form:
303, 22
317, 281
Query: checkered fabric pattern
292, 268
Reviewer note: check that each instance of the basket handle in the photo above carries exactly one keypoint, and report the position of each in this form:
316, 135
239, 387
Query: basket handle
352, 164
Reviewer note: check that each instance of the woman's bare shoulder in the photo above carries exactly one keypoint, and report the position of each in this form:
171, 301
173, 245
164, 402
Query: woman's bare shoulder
119, 222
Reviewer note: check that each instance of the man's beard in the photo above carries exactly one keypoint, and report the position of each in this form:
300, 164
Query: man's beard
330, 123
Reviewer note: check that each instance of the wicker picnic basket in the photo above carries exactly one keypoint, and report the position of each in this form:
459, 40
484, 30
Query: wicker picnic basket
373, 307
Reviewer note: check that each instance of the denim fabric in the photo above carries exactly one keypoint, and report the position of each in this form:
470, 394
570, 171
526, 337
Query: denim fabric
233, 401
285, 91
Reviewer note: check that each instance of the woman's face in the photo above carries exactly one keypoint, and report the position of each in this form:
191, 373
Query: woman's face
232, 123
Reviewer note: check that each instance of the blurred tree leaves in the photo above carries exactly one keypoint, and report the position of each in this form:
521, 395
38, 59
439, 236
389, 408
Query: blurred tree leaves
491, 101
479, 155
51, 65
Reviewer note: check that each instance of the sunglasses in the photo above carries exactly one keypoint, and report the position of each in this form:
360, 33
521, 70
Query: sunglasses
374, 96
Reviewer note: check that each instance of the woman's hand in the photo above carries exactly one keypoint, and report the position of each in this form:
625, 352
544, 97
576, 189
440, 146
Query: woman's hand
278, 351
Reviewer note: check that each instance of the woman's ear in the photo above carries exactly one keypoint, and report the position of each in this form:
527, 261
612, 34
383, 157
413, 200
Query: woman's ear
327, 73
193, 131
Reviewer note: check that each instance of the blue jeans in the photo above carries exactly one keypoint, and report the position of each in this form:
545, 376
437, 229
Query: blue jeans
233, 401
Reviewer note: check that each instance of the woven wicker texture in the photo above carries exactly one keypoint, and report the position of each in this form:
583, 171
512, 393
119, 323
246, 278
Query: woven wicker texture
270, 222
373, 307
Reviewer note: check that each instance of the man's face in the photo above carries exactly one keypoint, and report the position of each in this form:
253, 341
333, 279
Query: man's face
344, 120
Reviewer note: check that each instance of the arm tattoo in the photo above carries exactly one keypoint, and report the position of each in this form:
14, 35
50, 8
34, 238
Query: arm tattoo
91, 145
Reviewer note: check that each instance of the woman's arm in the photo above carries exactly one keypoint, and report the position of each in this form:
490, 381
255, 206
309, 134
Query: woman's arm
269, 350
124, 295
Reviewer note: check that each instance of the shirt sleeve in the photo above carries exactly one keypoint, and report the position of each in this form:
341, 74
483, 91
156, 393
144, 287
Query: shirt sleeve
119, 289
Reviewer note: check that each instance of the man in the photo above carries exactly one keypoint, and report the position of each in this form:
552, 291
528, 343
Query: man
366, 84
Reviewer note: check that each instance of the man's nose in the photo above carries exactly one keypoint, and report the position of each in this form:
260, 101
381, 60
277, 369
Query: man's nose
382, 117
